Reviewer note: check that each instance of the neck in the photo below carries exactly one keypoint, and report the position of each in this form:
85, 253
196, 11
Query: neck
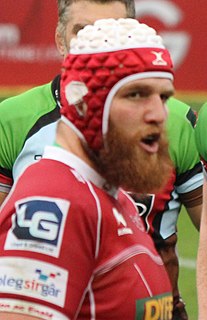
69, 140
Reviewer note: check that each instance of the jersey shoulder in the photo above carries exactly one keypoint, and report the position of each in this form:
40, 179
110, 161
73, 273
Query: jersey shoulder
181, 135
57, 176
32, 103
18, 115
181, 112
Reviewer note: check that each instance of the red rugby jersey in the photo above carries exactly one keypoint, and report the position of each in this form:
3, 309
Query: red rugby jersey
73, 249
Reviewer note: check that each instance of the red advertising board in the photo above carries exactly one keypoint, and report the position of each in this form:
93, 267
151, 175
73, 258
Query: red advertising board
28, 55
183, 26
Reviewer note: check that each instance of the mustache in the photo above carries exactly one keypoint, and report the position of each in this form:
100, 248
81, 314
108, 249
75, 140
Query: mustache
150, 130
151, 134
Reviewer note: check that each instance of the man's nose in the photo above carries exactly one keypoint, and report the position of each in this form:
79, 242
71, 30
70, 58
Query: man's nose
156, 110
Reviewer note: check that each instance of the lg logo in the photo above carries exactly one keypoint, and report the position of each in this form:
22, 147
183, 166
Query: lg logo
171, 16
38, 225
41, 225
39, 219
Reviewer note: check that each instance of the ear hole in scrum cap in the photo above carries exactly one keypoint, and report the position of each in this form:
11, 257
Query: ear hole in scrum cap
102, 58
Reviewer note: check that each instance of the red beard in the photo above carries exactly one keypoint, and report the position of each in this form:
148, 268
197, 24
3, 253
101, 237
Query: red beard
124, 164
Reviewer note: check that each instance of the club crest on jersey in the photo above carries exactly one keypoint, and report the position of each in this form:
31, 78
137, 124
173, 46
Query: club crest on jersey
122, 225
158, 61
38, 225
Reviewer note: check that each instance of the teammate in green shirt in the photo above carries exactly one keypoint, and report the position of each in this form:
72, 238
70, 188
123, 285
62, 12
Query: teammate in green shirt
201, 141
201, 134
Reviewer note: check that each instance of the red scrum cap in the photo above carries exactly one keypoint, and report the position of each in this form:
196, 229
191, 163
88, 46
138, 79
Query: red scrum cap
103, 58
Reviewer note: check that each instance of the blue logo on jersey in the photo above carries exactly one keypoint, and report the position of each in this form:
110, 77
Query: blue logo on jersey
38, 225
38, 219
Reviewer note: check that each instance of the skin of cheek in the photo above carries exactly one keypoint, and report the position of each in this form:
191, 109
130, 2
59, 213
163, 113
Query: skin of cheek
126, 119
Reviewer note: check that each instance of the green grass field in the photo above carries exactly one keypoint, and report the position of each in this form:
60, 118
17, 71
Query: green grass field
187, 250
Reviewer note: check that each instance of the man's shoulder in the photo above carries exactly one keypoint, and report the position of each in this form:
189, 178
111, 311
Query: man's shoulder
180, 129
174, 103
202, 119
180, 113
51, 178
201, 131
23, 117
29, 102
203, 110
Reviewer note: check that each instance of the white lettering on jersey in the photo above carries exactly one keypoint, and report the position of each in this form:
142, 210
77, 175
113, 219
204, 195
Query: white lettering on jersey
32, 309
40, 280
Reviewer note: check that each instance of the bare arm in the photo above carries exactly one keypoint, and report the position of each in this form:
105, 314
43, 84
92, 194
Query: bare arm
202, 260
195, 215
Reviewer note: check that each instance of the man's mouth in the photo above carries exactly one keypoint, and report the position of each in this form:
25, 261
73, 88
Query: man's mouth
150, 143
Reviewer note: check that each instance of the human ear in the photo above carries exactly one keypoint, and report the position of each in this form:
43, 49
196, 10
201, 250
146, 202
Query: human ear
60, 43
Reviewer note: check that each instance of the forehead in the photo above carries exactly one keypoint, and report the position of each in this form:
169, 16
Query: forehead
84, 12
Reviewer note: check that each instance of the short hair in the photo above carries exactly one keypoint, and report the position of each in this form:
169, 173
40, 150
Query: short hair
64, 6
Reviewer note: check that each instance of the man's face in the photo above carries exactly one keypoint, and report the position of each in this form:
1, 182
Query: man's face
82, 13
136, 153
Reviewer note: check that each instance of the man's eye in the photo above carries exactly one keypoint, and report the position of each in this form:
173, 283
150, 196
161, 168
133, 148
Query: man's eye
164, 97
133, 95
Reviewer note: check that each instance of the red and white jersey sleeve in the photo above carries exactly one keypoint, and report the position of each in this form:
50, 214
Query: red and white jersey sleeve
70, 250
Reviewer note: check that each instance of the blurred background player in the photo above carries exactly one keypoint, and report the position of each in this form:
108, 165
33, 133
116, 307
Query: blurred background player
201, 134
85, 233
36, 112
